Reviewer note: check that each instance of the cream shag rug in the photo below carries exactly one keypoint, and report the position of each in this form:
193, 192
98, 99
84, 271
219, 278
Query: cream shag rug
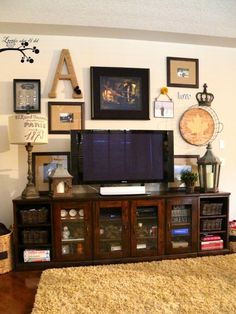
193, 285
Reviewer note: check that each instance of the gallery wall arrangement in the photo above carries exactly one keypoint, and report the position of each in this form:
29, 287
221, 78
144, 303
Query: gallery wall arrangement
163, 109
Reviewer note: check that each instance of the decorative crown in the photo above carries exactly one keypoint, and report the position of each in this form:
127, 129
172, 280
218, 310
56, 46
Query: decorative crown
204, 98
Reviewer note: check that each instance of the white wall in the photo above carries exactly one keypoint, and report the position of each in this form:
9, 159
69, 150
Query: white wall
217, 69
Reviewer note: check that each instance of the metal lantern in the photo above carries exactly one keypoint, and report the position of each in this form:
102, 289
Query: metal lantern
60, 182
209, 171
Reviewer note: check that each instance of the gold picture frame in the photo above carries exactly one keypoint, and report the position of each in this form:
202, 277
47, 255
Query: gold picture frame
65, 116
182, 72
183, 162
43, 163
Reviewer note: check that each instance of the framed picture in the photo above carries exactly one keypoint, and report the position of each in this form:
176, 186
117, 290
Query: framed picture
120, 93
163, 109
65, 116
43, 164
182, 72
181, 163
27, 96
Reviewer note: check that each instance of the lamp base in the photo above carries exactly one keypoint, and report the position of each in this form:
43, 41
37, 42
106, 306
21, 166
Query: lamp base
30, 191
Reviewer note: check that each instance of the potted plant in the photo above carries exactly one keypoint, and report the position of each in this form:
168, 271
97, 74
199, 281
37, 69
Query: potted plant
189, 178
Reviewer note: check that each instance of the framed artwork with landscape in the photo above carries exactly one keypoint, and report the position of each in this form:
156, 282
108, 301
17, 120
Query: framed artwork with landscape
65, 116
43, 163
27, 97
119, 93
182, 72
181, 163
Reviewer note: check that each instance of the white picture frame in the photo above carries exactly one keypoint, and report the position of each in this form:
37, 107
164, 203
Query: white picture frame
163, 109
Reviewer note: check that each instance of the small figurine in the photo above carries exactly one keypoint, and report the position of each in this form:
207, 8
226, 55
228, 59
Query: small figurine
65, 233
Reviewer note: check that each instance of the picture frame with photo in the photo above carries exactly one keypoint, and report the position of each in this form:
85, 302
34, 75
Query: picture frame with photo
65, 116
182, 72
119, 93
181, 163
163, 109
43, 163
26, 96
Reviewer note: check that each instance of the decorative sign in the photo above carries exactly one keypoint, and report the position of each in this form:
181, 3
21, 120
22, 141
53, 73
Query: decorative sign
21, 46
71, 76
183, 96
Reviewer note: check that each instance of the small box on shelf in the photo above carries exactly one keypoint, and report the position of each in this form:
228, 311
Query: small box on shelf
36, 256
212, 245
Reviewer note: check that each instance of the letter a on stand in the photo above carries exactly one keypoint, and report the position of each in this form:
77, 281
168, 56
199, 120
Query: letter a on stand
65, 58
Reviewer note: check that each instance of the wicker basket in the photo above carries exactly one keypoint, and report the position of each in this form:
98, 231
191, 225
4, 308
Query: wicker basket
232, 247
208, 209
232, 232
211, 224
34, 216
6, 264
34, 236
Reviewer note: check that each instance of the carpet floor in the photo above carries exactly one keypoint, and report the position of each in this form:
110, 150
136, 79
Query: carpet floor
193, 285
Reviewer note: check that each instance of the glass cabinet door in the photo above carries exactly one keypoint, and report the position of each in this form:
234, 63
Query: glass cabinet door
181, 230
111, 229
73, 238
147, 220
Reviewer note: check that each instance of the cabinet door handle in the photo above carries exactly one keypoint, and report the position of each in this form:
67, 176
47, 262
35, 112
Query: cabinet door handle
134, 230
87, 229
125, 227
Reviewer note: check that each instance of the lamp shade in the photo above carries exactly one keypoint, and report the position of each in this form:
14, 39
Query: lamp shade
28, 128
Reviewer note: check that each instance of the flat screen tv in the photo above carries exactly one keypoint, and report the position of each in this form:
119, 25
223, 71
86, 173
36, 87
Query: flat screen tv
121, 156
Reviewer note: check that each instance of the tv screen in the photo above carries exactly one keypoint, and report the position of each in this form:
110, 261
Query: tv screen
110, 156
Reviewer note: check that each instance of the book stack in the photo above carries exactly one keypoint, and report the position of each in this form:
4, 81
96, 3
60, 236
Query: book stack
31, 256
211, 242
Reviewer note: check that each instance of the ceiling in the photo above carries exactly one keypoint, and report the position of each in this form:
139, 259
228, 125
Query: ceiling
205, 22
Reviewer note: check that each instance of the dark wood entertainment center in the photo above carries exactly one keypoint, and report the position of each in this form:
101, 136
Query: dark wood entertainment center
89, 229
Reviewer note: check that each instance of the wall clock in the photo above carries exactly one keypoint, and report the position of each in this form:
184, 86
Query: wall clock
199, 125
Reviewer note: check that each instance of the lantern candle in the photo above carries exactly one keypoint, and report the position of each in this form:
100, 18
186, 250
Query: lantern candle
210, 180
61, 187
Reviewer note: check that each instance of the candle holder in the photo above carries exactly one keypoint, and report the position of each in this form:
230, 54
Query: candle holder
209, 171
60, 182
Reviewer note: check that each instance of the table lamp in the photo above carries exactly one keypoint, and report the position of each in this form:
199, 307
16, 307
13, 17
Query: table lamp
28, 130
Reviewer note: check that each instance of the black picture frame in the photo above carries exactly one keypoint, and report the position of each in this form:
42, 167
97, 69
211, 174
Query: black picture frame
119, 93
182, 72
27, 95
43, 163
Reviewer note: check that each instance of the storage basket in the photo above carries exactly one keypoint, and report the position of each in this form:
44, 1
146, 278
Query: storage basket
232, 228
6, 263
31, 216
232, 247
211, 224
34, 236
208, 209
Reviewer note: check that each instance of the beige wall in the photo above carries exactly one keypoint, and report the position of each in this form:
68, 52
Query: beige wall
217, 69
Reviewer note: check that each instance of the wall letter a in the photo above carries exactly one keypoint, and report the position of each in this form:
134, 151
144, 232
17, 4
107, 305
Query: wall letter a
65, 57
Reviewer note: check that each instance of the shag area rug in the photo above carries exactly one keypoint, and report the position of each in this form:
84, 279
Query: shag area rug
193, 285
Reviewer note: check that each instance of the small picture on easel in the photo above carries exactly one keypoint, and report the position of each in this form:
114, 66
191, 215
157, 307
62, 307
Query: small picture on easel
163, 109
